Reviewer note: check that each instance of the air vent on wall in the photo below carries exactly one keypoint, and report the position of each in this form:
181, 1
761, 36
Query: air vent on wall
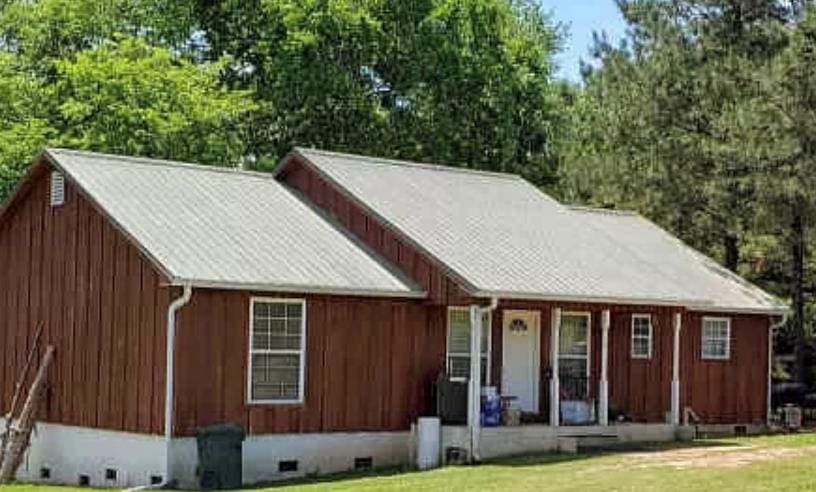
287, 466
57, 189
363, 464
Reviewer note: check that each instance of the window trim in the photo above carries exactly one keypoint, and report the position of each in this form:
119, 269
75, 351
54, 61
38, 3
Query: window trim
588, 356
727, 355
302, 352
488, 349
632, 353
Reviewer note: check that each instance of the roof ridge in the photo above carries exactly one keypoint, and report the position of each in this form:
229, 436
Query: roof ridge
407, 163
55, 151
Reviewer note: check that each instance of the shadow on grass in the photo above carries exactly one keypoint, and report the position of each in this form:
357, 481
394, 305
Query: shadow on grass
539, 459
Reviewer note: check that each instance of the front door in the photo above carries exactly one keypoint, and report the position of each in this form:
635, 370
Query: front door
573, 356
520, 357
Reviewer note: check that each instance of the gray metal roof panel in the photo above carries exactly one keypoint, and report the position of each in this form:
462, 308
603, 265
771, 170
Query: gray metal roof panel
505, 237
721, 288
221, 227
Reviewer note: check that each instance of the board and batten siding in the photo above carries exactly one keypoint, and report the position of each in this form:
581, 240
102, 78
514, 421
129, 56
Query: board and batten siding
370, 364
427, 272
101, 305
732, 390
720, 391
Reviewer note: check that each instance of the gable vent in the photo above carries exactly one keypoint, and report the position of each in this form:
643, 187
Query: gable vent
57, 189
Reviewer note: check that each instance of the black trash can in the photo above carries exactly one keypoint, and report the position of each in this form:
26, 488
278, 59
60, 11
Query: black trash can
220, 451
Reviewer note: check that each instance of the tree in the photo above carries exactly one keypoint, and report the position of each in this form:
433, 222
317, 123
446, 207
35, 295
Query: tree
84, 74
676, 123
454, 81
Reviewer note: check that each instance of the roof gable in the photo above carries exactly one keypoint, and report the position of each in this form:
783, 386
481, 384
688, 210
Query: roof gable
224, 228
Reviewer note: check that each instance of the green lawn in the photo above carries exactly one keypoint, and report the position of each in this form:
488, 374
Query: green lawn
761, 463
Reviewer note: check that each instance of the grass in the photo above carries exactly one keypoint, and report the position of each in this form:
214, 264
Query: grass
740, 464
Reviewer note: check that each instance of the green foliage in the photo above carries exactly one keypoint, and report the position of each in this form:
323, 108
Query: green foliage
457, 81
105, 76
129, 98
704, 121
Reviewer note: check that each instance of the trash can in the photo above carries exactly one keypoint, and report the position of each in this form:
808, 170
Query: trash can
220, 451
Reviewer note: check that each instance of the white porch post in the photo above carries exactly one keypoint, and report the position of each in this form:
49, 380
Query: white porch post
675, 385
475, 386
555, 389
603, 391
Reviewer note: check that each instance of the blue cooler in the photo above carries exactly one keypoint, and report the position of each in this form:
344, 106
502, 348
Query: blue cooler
491, 407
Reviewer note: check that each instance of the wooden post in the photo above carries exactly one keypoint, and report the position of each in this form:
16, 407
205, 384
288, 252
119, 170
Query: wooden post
18, 393
603, 391
475, 387
22, 434
555, 389
675, 384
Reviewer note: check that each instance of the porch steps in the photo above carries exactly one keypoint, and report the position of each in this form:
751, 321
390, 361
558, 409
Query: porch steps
578, 444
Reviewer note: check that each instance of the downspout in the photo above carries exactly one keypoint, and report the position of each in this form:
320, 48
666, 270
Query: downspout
169, 386
475, 400
169, 377
771, 328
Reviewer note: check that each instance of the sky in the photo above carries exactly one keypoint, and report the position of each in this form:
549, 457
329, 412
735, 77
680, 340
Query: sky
581, 18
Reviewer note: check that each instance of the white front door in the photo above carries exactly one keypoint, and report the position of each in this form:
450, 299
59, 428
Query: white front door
520, 357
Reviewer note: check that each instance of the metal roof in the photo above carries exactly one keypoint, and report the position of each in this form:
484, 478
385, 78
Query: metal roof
225, 228
501, 236
722, 289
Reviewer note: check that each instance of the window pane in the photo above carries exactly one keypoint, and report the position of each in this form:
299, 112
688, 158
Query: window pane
277, 309
640, 347
275, 376
459, 367
459, 331
294, 310
572, 376
573, 336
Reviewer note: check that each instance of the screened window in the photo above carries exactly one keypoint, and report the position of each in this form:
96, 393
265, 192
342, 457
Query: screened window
277, 351
459, 345
716, 338
641, 336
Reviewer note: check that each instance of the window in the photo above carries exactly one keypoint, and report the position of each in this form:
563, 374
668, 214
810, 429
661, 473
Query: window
57, 189
277, 350
459, 345
716, 338
641, 336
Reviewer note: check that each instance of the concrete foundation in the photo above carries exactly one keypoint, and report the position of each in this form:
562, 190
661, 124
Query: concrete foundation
70, 455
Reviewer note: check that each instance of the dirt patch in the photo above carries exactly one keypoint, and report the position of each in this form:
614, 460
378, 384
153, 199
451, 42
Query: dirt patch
714, 457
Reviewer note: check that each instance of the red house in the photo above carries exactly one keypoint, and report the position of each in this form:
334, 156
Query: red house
317, 307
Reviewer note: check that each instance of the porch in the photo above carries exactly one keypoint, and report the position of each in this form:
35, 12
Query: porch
550, 364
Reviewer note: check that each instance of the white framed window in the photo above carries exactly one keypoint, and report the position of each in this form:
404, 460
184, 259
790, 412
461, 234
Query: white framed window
57, 189
641, 336
277, 350
716, 338
458, 356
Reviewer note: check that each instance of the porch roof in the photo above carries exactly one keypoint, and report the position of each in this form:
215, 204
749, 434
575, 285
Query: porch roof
499, 235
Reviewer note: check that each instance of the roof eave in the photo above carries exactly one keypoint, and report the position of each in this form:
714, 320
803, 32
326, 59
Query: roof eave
769, 311
687, 304
296, 289
534, 296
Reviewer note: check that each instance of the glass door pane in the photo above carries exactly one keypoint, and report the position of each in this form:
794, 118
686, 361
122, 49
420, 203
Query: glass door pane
573, 357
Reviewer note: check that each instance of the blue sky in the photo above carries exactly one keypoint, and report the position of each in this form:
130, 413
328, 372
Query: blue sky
581, 18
